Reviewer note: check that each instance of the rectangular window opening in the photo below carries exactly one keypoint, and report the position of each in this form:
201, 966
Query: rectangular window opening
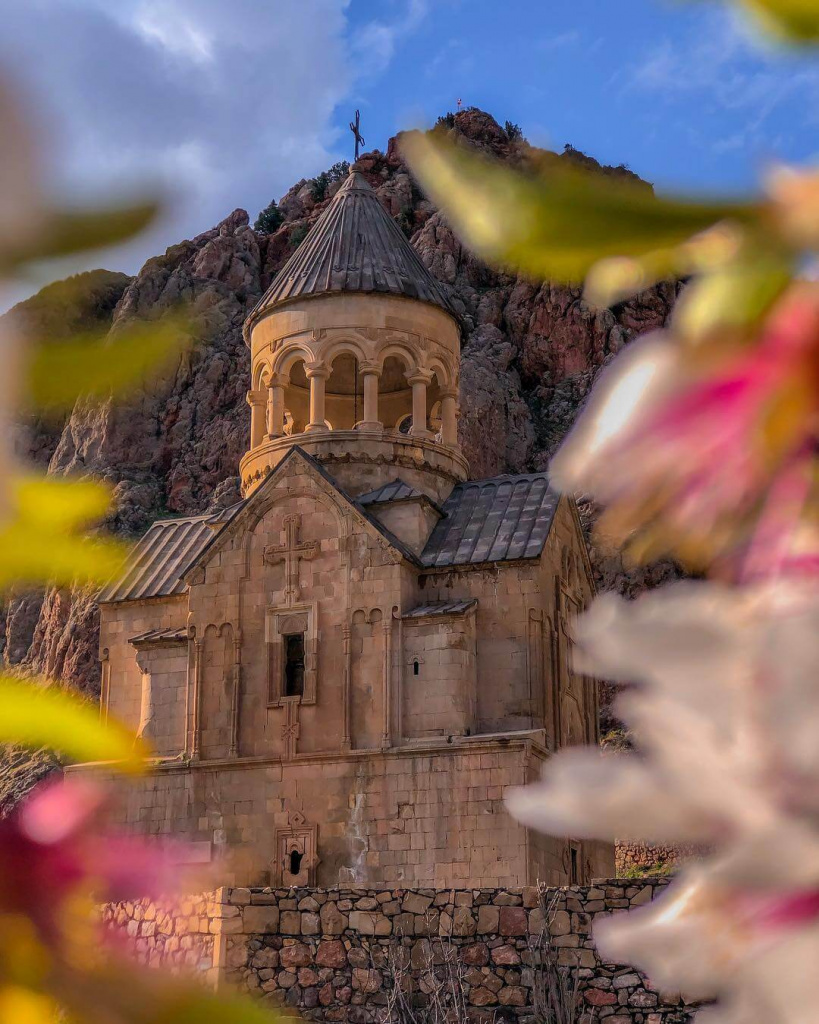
293, 664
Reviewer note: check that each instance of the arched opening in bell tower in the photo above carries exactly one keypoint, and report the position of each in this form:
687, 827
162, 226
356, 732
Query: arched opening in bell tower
395, 394
345, 393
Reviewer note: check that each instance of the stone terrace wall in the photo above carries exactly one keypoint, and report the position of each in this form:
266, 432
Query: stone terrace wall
177, 934
335, 955
636, 857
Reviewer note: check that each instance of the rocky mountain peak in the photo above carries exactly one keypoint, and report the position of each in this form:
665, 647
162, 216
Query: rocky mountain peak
530, 353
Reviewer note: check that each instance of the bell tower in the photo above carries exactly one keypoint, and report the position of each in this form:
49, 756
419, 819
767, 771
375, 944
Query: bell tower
355, 354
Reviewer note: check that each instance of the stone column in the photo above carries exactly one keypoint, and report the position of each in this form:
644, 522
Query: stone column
449, 418
197, 700
235, 696
419, 383
317, 374
105, 685
372, 373
386, 732
345, 688
145, 729
275, 408
256, 400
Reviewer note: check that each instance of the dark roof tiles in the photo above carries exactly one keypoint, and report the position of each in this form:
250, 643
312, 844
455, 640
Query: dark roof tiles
497, 520
354, 246
395, 490
156, 636
159, 560
435, 608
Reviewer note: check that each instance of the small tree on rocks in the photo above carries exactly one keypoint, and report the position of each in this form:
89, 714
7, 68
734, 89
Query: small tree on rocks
270, 219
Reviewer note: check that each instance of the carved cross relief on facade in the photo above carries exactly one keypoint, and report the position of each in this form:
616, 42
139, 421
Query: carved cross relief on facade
291, 553
291, 730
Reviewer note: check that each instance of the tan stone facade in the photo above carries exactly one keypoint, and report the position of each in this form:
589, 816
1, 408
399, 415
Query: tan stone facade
342, 675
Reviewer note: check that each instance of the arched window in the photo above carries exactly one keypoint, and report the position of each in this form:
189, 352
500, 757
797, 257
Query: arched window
295, 861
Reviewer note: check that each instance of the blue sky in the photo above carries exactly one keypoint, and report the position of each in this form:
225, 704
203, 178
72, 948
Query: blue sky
225, 103
681, 92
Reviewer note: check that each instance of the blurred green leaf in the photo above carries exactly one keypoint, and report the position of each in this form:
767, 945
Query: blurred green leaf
558, 221
97, 364
794, 20
40, 543
70, 231
730, 301
36, 716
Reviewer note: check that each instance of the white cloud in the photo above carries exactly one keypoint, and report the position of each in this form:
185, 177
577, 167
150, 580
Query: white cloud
223, 103
374, 45
720, 66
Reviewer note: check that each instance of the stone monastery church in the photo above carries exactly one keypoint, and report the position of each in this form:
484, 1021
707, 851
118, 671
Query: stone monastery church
341, 675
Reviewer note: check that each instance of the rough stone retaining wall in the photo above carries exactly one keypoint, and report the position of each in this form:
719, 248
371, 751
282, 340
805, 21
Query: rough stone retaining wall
634, 857
337, 955
176, 934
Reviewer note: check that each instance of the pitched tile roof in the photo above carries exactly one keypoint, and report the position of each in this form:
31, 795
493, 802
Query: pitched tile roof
159, 559
154, 636
354, 246
496, 520
423, 611
396, 490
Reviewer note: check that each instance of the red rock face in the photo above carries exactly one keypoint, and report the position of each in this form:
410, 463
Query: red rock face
530, 354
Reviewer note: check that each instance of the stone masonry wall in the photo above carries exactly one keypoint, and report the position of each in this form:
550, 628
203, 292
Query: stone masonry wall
635, 857
341, 955
337, 955
174, 934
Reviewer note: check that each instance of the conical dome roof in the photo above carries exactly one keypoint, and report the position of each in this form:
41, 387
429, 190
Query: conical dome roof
355, 246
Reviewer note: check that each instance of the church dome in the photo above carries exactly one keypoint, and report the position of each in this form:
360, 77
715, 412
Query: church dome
354, 246
355, 357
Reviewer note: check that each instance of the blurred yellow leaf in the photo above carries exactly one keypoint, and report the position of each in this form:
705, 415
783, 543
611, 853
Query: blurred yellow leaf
23, 1006
36, 716
57, 501
69, 231
99, 364
794, 20
106, 994
558, 221
40, 543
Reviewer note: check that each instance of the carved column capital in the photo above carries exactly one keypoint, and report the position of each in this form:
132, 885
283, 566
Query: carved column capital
317, 369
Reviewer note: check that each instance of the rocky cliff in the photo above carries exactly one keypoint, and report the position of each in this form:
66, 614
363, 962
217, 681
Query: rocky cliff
530, 354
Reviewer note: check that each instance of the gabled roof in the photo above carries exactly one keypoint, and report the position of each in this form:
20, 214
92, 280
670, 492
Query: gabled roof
172, 547
297, 452
354, 246
396, 490
497, 520
160, 636
435, 608
159, 559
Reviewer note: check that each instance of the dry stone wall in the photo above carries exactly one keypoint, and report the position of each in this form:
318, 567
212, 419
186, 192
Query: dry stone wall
178, 934
353, 955
635, 857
